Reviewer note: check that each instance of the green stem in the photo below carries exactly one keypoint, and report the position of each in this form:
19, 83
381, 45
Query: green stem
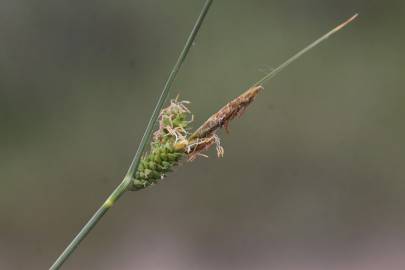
115, 195
126, 183
277, 70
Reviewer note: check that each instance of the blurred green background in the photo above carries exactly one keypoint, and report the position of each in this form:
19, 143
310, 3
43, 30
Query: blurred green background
313, 173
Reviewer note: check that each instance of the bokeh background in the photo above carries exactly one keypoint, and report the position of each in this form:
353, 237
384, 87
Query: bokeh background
313, 173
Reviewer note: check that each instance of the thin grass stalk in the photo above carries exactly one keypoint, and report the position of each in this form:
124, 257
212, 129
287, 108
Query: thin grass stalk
126, 182
277, 70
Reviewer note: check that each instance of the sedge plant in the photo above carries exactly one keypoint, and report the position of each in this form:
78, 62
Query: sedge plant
174, 139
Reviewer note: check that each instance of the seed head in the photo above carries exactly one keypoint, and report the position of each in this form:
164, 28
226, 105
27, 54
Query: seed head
163, 156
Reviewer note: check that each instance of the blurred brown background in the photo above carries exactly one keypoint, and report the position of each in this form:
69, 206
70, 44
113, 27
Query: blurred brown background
313, 173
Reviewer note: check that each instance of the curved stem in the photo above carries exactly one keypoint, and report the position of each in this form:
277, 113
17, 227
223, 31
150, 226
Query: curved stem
126, 183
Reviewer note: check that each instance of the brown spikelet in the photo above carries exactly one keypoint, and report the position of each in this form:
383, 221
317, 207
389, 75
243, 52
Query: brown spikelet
205, 135
231, 110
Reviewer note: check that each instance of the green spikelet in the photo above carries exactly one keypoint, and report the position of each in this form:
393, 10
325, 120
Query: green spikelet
163, 156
